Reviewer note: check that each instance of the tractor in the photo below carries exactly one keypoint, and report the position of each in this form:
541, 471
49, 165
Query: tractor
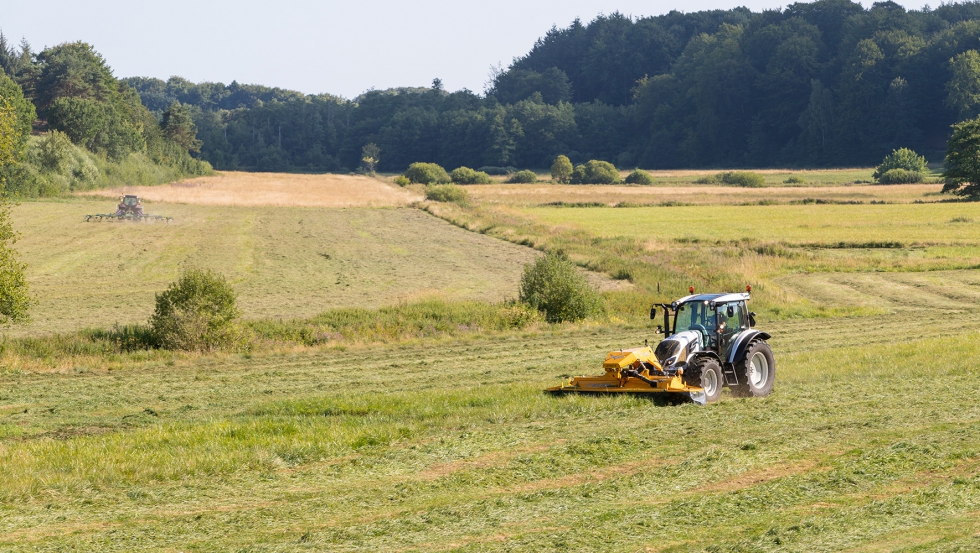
711, 343
130, 208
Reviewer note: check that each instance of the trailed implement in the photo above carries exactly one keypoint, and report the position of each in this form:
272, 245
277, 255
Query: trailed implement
130, 208
710, 345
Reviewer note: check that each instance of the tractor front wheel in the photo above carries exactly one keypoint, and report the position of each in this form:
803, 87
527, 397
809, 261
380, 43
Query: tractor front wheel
705, 373
757, 372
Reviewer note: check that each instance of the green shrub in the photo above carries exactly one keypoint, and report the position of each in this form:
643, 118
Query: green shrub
561, 169
595, 172
899, 176
638, 176
903, 158
523, 177
427, 173
498, 171
707, 179
465, 175
748, 179
553, 286
794, 180
447, 193
196, 313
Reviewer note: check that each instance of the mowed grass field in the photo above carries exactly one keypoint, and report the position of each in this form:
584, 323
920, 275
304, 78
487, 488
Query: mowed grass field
272, 189
870, 441
283, 262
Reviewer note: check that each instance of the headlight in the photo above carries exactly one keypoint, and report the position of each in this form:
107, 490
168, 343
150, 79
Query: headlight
670, 361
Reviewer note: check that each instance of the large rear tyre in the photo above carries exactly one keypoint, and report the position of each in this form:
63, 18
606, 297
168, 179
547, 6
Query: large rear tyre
757, 372
705, 373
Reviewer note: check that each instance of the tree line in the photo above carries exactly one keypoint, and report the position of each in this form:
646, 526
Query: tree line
813, 84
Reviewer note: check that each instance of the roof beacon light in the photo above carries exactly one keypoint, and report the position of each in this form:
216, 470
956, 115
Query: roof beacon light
691, 289
748, 287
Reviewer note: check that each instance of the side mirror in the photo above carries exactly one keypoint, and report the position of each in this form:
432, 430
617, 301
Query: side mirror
730, 311
752, 318
653, 313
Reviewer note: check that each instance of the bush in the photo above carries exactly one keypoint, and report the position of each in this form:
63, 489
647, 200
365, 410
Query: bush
195, 313
638, 176
707, 179
523, 177
499, 171
899, 176
903, 158
465, 175
402, 180
561, 169
446, 193
553, 286
427, 173
748, 179
794, 180
595, 172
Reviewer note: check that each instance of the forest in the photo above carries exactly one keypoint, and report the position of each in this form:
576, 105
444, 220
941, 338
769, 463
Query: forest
827, 83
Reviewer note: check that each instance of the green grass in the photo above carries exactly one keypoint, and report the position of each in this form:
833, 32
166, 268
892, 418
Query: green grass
452, 446
284, 263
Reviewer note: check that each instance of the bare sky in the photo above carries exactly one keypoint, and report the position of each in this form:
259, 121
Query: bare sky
343, 48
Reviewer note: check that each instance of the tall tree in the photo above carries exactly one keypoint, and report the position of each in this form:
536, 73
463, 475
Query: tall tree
15, 299
963, 160
178, 125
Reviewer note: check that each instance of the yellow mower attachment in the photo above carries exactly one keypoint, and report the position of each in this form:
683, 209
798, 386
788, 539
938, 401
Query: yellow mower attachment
632, 371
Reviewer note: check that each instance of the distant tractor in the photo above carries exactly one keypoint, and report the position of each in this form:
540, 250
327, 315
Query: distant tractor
130, 208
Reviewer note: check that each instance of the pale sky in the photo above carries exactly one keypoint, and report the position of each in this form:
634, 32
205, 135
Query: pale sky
342, 48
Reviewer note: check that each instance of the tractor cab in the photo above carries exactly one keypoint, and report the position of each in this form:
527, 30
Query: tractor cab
716, 318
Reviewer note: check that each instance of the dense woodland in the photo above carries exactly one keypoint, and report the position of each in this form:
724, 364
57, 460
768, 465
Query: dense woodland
78, 127
815, 84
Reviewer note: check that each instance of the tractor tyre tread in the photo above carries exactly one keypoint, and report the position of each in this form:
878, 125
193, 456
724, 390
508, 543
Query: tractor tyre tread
695, 370
745, 388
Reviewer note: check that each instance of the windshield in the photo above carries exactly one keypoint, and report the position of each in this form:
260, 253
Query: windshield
694, 315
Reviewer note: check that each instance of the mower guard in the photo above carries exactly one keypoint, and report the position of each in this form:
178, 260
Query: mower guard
632, 371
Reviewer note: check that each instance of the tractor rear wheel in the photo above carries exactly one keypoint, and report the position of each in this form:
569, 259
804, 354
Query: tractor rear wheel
705, 373
757, 372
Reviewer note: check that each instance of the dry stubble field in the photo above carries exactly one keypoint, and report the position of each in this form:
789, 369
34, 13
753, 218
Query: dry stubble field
869, 442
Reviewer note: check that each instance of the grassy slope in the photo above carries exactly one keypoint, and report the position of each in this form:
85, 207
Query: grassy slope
292, 262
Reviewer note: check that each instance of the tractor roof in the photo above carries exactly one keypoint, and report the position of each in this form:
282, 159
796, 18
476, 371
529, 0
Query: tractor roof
717, 298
